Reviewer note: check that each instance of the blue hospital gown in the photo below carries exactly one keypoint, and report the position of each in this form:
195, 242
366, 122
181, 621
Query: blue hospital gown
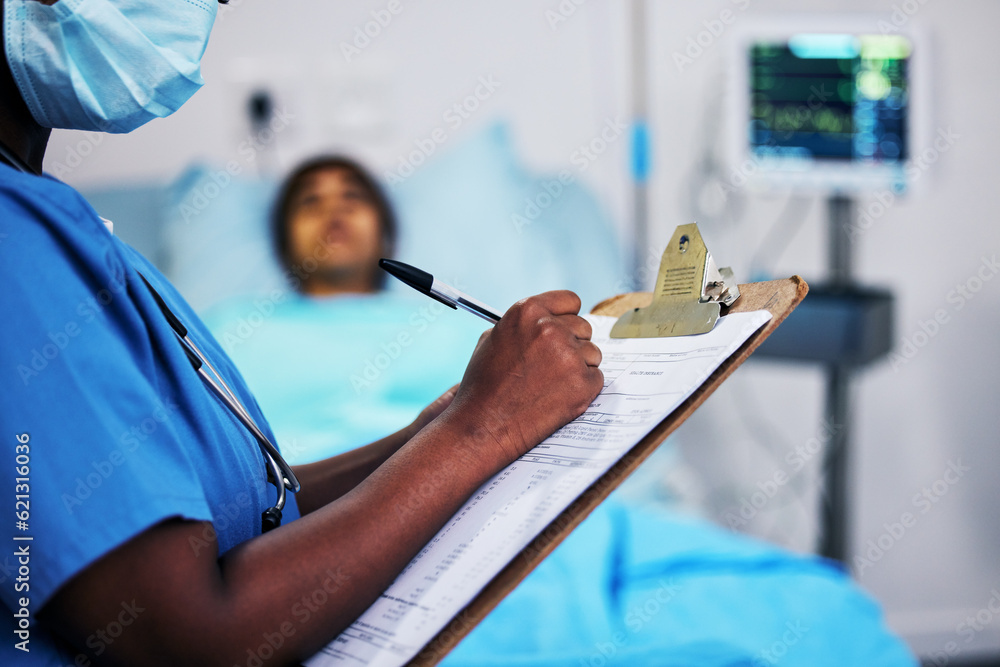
335, 373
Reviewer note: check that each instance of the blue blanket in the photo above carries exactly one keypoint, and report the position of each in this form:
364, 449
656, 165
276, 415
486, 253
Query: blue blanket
637, 587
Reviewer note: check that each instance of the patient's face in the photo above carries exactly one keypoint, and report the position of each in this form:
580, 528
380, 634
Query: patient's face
333, 221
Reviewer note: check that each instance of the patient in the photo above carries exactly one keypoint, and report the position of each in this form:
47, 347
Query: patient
331, 224
338, 361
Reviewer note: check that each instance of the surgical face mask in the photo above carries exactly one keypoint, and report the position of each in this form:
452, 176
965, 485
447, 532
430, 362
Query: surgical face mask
106, 65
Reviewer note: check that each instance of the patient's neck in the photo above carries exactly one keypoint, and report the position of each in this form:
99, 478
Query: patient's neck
322, 286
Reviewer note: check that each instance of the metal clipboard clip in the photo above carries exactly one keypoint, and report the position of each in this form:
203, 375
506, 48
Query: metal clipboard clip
690, 291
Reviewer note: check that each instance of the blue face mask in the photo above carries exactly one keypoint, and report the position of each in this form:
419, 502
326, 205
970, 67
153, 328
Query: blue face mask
107, 65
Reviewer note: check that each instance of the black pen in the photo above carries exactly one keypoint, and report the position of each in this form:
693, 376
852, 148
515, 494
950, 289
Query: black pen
435, 289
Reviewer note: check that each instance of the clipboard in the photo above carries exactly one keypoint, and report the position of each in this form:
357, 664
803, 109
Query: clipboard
779, 297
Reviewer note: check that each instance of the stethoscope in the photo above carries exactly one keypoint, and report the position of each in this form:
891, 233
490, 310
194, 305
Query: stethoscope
278, 468
279, 472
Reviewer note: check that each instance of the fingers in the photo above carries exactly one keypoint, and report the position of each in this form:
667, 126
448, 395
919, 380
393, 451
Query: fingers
558, 302
558, 310
445, 399
591, 354
596, 379
561, 305
578, 326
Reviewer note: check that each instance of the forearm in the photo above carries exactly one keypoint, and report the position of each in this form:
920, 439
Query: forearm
340, 550
303, 583
327, 480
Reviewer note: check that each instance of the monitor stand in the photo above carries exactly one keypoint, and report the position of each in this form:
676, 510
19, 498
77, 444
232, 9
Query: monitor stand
842, 326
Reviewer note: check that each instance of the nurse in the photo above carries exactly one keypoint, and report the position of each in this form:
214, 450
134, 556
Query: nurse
140, 491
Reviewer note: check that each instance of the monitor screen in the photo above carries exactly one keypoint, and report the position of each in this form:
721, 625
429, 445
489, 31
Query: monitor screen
828, 108
830, 97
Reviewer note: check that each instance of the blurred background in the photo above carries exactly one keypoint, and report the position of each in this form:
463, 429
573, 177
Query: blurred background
473, 113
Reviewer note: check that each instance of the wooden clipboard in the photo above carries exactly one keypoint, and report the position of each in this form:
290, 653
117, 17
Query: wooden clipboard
779, 297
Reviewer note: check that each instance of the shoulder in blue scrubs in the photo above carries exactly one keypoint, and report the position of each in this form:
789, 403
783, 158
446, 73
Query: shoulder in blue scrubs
120, 432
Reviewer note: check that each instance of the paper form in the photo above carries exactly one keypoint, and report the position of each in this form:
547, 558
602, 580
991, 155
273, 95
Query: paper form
645, 379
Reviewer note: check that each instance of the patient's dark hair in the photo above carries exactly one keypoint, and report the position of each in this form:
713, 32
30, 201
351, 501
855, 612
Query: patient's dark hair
293, 185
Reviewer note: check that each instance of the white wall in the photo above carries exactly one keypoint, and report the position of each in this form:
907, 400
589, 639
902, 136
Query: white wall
558, 87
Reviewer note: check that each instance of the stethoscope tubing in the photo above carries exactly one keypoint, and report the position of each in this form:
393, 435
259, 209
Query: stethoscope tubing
267, 448
280, 472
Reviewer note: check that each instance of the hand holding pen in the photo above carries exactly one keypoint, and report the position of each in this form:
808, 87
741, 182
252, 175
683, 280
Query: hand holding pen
535, 371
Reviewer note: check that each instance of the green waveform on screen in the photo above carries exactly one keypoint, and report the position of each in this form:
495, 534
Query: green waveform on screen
797, 118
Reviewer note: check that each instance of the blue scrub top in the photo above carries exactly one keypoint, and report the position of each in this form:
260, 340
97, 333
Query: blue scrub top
115, 430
